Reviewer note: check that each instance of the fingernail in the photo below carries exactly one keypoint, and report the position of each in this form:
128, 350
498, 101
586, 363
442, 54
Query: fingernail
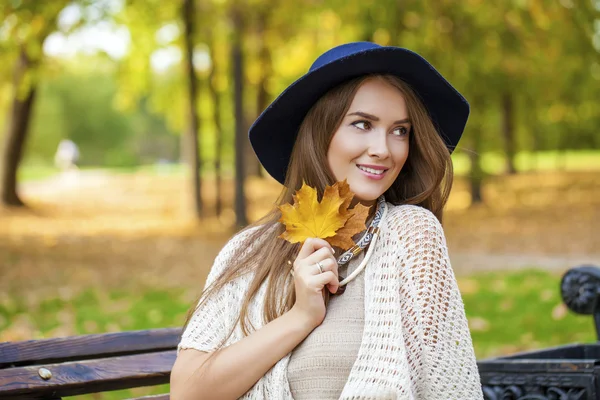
332, 250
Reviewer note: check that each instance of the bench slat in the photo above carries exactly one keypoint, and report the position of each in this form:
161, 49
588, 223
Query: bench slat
74, 348
89, 376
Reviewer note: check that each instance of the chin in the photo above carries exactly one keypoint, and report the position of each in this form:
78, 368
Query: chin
366, 191
366, 195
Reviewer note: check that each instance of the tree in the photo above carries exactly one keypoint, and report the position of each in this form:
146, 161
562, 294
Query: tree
237, 61
192, 149
29, 23
175, 91
215, 96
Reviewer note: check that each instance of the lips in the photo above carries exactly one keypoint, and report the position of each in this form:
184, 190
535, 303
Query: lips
372, 173
373, 168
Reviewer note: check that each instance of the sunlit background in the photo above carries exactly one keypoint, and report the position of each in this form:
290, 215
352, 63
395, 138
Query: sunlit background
114, 238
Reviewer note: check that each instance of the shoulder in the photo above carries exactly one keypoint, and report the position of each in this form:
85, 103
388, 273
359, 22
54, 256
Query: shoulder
242, 241
412, 222
407, 214
243, 235
237, 246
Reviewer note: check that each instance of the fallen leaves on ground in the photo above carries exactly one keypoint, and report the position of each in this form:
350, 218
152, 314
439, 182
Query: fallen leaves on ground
116, 230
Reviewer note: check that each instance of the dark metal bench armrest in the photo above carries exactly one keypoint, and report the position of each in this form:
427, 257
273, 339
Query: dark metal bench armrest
580, 291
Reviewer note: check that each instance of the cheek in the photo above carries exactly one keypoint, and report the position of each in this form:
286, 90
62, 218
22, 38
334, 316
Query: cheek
401, 153
341, 152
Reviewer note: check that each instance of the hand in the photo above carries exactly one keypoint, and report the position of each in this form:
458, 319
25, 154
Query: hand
310, 282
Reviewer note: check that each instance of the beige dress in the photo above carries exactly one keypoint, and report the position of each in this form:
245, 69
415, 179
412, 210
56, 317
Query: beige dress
320, 365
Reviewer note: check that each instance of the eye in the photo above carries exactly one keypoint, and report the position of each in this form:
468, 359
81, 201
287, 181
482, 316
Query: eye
401, 131
362, 125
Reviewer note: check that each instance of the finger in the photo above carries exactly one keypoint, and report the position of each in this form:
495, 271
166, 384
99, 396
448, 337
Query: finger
327, 264
311, 245
317, 267
325, 279
319, 255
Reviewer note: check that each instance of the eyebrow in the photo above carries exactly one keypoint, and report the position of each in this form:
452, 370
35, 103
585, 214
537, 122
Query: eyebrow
374, 118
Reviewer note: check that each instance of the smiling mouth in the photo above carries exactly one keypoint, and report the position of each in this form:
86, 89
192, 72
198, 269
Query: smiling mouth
371, 170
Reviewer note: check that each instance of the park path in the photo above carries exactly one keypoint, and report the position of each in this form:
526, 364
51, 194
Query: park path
108, 190
67, 183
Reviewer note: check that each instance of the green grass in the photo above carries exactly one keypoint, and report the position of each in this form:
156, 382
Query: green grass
520, 311
30, 173
508, 312
492, 163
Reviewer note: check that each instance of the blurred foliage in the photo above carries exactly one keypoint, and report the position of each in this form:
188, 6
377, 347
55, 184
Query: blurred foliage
541, 54
79, 104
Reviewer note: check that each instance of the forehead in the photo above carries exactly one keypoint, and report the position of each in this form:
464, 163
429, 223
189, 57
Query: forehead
376, 96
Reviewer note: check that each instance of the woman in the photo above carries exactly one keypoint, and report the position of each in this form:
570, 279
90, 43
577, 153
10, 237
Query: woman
386, 121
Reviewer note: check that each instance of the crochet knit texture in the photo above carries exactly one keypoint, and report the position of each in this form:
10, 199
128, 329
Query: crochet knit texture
416, 342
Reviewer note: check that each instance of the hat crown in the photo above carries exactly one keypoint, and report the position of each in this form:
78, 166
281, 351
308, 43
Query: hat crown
342, 51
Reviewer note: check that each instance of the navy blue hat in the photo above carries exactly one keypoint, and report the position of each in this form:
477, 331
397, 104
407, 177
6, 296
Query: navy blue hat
274, 132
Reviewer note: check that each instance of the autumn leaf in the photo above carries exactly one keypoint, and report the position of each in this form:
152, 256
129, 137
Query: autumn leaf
355, 219
309, 218
330, 219
344, 190
354, 225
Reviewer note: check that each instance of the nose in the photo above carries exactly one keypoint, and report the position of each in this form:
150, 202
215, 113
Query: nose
378, 146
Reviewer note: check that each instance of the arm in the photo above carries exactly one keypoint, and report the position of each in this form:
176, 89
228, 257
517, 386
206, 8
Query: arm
238, 367
434, 312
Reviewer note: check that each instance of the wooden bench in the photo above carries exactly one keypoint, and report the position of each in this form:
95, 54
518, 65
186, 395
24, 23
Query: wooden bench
55, 368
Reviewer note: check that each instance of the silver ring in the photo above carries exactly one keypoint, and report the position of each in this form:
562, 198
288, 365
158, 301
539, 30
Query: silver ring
318, 264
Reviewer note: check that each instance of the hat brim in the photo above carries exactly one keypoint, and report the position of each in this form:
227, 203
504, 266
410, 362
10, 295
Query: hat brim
274, 132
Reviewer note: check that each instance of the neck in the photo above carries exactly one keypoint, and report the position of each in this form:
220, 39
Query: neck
372, 210
372, 204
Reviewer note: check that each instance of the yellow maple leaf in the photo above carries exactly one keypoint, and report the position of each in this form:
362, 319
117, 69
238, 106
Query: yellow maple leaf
309, 218
330, 219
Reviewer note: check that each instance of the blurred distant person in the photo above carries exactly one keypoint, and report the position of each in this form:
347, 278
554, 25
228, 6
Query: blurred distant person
67, 155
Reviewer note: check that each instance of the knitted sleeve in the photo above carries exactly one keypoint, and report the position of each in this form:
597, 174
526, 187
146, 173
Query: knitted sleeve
436, 332
211, 322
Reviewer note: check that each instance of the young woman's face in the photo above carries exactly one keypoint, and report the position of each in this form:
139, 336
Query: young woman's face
371, 145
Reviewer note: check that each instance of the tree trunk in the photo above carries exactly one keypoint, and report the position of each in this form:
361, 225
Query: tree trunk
508, 132
397, 27
264, 58
252, 164
535, 153
252, 167
476, 174
192, 143
240, 136
561, 154
215, 97
16, 132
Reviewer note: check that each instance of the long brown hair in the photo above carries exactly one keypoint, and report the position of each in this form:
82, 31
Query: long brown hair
425, 180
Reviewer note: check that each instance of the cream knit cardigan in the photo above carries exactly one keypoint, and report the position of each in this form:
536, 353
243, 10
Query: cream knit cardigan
416, 342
